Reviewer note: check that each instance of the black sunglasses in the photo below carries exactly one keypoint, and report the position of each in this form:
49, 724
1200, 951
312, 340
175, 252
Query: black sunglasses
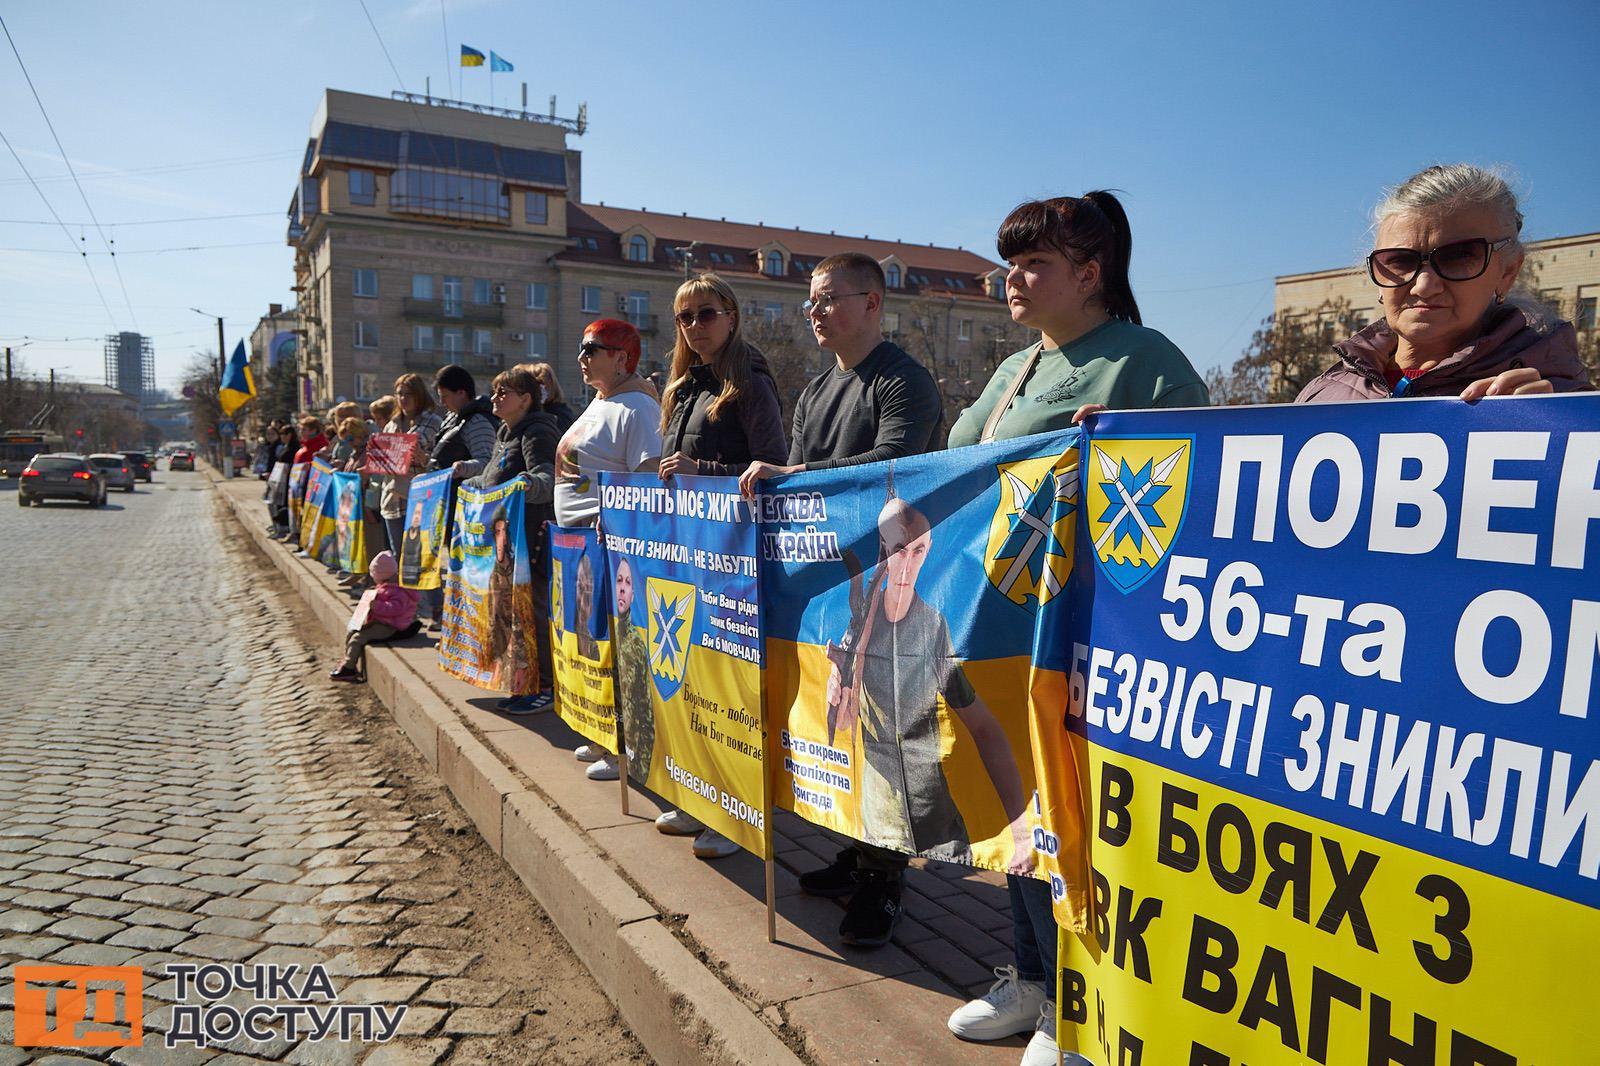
1391, 268
705, 316
590, 347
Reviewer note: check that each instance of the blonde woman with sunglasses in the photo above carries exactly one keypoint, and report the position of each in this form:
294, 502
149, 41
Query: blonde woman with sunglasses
719, 413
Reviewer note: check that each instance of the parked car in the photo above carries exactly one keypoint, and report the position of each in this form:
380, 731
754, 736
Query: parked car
140, 464
181, 460
113, 466
62, 476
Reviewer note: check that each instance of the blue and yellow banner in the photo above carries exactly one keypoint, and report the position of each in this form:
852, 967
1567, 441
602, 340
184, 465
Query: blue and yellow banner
580, 633
688, 630
488, 633
422, 541
1321, 703
901, 601
471, 57
319, 482
349, 526
297, 495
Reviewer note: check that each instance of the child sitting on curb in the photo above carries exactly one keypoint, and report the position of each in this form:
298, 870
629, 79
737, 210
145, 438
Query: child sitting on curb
385, 611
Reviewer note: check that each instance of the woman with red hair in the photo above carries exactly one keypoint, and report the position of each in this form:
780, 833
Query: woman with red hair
619, 431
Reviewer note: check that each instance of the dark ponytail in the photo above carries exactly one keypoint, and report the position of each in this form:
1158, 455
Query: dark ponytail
1093, 226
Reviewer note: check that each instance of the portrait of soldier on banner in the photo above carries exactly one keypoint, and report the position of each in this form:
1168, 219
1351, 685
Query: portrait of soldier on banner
894, 675
633, 678
510, 624
421, 542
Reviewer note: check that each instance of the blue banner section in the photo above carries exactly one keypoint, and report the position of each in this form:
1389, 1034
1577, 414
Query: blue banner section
901, 599
488, 636
1385, 616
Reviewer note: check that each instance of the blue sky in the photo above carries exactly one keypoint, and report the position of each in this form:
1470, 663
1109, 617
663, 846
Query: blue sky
1249, 139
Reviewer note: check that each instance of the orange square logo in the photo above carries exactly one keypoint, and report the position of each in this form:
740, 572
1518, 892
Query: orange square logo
79, 1006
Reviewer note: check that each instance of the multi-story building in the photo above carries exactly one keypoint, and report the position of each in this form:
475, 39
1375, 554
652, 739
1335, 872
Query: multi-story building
274, 340
429, 231
1564, 271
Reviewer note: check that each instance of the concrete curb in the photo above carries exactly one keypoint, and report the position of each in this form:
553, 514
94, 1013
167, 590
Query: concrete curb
680, 1011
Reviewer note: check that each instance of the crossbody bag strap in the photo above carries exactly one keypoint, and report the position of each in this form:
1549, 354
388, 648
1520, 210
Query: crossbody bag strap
991, 423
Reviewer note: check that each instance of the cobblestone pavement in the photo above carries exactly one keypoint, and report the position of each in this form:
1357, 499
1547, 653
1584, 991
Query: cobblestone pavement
180, 783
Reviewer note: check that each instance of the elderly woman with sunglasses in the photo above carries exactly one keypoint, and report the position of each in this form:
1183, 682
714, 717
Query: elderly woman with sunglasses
1446, 267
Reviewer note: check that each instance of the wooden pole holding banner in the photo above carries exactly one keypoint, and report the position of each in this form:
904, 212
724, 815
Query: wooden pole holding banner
622, 771
772, 894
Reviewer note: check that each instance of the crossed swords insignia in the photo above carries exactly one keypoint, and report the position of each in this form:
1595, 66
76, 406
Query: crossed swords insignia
1129, 507
1031, 511
669, 615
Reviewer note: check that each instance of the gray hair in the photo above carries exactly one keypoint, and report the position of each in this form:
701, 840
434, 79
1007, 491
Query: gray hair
1443, 188
1451, 187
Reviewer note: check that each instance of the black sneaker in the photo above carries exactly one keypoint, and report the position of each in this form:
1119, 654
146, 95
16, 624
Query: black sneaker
874, 910
832, 881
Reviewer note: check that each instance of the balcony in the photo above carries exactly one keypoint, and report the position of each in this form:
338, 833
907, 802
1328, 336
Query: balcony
647, 325
434, 358
440, 311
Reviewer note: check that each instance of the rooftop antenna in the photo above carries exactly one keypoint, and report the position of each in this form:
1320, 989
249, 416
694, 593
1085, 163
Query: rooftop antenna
552, 105
524, 97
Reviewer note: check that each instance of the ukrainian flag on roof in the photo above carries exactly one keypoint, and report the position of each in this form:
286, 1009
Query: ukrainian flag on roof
471, 57
238, 384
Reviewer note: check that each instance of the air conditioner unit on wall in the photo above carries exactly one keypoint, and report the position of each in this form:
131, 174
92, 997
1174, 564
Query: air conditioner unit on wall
517, 336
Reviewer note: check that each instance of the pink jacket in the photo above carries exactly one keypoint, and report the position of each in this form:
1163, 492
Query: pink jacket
390, 604
1511, 339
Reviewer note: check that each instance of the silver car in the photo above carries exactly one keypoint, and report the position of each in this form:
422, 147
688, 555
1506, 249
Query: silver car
113, 466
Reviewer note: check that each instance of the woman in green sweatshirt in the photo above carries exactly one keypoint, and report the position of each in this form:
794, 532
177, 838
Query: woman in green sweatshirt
1068, 279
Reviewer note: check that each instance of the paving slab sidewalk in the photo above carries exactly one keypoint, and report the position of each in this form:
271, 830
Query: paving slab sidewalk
667, 935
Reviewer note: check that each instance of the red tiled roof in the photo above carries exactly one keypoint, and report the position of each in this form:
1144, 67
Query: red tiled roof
605, 223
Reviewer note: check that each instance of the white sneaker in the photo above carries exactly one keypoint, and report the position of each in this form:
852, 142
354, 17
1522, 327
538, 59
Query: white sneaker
711, 844
588, 752
677, 824
602, 769
1041, 1049
1011, 1006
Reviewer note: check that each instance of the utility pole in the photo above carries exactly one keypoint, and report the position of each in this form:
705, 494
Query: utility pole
226, 465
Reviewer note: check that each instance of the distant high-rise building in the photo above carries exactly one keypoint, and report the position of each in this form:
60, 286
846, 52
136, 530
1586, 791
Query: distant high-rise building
131, 365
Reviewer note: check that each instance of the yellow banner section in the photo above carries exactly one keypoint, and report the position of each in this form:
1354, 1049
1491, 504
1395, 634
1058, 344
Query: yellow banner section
585, 689
1225, 931
831, 784
710, 730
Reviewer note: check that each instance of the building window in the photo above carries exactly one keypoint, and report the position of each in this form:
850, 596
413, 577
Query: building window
538, 296
366, 282
455, 340
452, 297
422, 338
591, 244
892, 276
997, 287
536, 208
422, 286
366, 334
363, 187
775, 264
538, 344
450, 195
1586, 313
366, 386
482, 291
638, 249
964, 330
591, 299
773, 312
638, 307
891, 323
482, 341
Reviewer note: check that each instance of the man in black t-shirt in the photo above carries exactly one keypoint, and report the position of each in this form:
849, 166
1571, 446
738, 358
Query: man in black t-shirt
876, 402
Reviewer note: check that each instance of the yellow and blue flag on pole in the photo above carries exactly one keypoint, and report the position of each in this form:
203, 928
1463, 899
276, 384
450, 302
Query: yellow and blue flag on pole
471, 57
238, 384
499, 64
